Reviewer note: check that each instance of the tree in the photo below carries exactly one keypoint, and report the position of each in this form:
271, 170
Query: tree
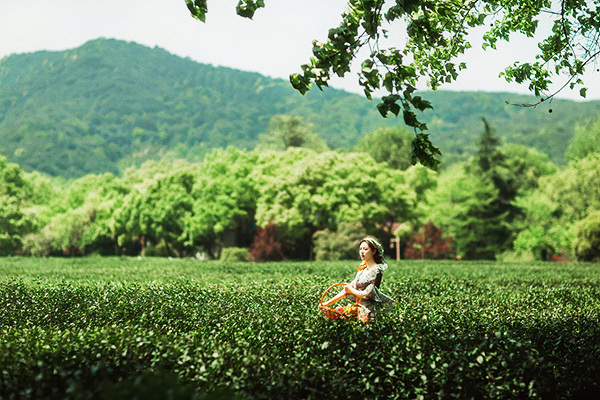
341, 244
63, 235
388, 144
540, 234
290, 131
488, 157
14, 223
303, 192
463, 204
553, 210
158, 211
525, 166
224, 200
587, 238
490, 163
436, 36
267, 245
430, 244
575, 189
586, 140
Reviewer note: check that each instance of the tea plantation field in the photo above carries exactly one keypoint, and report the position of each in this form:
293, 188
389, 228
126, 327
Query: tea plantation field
123, 328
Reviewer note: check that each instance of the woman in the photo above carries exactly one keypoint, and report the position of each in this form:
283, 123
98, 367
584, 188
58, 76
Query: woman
365, 285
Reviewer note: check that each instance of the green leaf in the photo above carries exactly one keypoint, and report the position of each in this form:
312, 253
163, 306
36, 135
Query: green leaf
388, 82
198, 8
247, 8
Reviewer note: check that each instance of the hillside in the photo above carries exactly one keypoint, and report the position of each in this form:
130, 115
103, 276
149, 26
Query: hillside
109, 104
455, 124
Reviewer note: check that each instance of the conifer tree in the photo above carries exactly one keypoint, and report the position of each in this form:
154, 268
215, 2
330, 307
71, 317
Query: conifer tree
489, 162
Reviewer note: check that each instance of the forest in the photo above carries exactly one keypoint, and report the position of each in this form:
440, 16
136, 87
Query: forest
293, 198
117, 149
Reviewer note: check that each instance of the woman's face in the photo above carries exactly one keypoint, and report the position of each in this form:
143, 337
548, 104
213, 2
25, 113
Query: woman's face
365, 251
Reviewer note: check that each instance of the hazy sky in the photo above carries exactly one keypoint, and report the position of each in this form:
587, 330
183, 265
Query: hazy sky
275, 43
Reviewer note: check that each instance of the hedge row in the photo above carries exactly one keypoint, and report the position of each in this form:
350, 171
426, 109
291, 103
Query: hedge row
447, 338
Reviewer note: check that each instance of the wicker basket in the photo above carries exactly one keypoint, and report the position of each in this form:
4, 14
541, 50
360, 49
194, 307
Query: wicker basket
347, 313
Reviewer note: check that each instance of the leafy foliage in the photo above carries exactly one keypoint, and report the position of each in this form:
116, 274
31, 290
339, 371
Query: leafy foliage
525, 166
303, 192
543, 235
159, 212
118, 104
197, 209
224, 200
388, 144
429, 244
14, 223
89, 328
229, 254
587, 238
267, 245
463, 205
436, 37
341, 244
575, 189
290, 131
585, 141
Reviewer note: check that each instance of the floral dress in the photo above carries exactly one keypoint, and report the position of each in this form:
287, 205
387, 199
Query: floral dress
367, 282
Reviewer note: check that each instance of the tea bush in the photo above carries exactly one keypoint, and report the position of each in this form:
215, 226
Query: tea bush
459, 330
233, 254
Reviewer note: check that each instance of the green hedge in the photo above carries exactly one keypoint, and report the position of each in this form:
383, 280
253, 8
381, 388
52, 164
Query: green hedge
235, 254
449, 337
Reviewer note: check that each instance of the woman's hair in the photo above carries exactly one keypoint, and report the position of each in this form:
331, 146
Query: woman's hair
375, 247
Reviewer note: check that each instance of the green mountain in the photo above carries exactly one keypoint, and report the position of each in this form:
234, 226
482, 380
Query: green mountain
455, 124
109, 104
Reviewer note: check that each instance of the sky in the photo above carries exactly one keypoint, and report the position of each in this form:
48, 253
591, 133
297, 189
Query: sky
275, 43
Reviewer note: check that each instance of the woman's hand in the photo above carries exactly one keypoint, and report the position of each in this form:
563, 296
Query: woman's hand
337, 297
349, 289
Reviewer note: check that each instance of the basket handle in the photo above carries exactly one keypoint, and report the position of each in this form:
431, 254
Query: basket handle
332, 286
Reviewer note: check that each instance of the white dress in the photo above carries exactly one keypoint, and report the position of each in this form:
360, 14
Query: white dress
367, 283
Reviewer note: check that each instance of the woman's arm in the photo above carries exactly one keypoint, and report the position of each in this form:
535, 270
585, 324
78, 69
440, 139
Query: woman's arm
366, 293
337, 297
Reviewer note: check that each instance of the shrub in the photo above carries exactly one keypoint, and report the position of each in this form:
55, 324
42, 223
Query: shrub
587, 238
339, 245
13, 225
267, 245
450, 337
429, 244
156, 250
234, 254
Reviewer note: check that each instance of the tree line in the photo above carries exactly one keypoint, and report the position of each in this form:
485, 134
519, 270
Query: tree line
293, 198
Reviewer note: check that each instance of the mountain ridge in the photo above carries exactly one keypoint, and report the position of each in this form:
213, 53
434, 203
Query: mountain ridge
109, 104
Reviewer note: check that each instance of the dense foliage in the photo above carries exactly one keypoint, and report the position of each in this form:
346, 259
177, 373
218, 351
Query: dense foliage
506, 202
435, 35
109, 104
94, 328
